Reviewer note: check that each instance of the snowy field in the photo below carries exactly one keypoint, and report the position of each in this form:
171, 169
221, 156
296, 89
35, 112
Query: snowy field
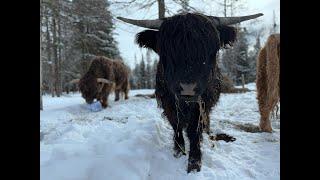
130, 140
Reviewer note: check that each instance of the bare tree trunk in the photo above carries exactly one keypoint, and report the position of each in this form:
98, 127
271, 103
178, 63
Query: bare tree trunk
55, 57
56, 46
161, 8
231, 9
48, 49
41, 15
41, 105
225, 8
59, 57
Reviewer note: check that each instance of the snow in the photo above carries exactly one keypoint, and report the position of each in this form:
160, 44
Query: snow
130, 140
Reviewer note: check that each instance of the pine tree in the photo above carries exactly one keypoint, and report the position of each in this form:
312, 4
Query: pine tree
148, 70
274, 27
73, 33
253, 55
135, 76
94, 31
235, 60
253, 59
154, 72
143, 75
52, 25
241, 49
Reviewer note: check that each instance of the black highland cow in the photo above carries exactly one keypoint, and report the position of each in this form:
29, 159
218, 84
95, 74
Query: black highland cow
188, 81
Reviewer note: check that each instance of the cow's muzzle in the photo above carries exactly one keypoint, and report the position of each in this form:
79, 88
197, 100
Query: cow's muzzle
188, 89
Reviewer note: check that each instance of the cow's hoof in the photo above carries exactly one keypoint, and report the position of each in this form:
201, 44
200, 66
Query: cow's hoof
178, 153
104, 105
194, 166
268, 130
265, 127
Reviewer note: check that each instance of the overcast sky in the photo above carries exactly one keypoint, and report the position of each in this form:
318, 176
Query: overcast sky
125, 33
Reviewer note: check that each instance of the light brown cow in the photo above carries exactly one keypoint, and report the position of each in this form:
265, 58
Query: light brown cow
268, 80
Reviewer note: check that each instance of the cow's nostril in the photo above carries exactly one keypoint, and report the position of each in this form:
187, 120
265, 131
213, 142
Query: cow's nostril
188, 89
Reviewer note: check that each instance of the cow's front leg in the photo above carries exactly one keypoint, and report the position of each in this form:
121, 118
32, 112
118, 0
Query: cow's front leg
206, 124
179, 148
104, 100
106, 89
194, 132
117, 95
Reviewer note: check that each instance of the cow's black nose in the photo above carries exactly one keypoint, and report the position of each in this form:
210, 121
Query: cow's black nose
188, 89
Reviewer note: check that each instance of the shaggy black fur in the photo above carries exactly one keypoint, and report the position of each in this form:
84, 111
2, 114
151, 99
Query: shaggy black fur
187, 45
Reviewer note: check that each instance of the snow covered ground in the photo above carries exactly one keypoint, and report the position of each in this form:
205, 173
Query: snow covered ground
130, 140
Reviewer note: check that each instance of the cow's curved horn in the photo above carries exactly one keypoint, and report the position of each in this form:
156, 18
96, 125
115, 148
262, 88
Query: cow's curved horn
152, 24
102, 80
74, 81
233, 20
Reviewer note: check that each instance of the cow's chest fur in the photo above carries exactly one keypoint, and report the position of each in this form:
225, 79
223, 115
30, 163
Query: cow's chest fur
181, 112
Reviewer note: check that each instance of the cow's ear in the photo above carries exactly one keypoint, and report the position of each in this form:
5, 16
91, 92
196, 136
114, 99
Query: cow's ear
148, 39
228, 35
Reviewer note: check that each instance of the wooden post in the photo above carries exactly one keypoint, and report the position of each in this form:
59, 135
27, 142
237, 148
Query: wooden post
243, 82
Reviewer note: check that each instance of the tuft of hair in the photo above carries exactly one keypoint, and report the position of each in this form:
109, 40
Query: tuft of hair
228, 35
147, 39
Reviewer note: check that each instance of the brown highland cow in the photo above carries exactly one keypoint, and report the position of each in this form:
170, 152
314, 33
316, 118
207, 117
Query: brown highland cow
104, 76
268, 80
